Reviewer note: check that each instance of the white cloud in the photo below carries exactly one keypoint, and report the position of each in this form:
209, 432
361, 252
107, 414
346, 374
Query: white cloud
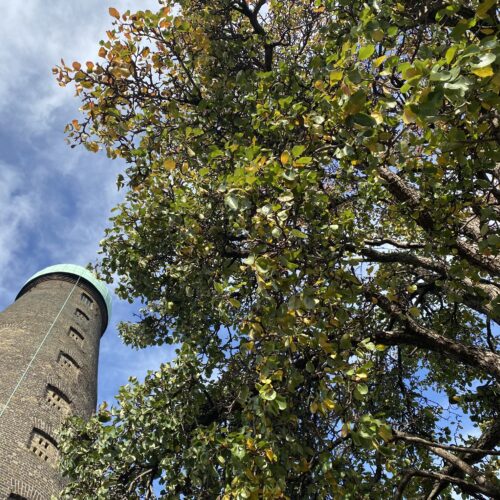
55, 201
60, 196
36, 34
16, 211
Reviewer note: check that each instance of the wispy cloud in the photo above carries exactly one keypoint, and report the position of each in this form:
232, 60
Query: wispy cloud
35, 35
55, 201
16, 213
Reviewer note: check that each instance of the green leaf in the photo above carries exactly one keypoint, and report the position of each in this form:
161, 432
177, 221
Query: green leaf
484, 60
298, 150
414, 311
304, 160
231, 201
268, 393
439, 76
298, 234
281, 402
366, 51
362, 389
450, 54
364, 120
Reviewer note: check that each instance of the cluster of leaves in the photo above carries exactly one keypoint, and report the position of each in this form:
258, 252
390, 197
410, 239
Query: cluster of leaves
311, 214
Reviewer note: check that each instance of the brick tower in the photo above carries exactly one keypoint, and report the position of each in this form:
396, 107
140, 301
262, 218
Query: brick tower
49, 346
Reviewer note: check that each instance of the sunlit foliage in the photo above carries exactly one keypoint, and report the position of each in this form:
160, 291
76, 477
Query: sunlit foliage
311, 214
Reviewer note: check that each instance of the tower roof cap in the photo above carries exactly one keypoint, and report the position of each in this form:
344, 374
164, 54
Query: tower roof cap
80, 272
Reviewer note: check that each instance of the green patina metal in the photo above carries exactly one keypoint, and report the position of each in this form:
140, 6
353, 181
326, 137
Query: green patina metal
77, 271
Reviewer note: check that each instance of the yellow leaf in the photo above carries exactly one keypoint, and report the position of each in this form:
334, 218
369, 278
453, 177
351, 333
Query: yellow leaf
345, 89
324, 344
385, 432
90, 65
285, 157
484, 7
102, 52
270, 455
377, 117
75, 124
409, 116
169, 164
483, 72
335, 76
304, 465
377, 62
93, 146
249, 474
114, 13
344, 432
328, 403
314, 407
450, 54
76, 66
318, 84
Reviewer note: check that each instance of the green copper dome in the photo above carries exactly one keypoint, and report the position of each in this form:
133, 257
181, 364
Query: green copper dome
82, 273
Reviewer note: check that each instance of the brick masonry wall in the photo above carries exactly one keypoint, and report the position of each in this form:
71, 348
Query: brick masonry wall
22, 328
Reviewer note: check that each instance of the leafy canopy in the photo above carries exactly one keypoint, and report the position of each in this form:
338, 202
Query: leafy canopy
312, 215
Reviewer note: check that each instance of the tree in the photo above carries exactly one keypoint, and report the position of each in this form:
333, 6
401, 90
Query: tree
312, 215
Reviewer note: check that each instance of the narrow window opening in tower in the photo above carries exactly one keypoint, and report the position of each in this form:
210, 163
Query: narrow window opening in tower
58, 400
81, 315
86, 300
68, 364
74, 334
44, 447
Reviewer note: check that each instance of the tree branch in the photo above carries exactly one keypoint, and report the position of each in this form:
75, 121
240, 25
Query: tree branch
420, 336
465, 485
412, 198
489, 439
418, 440
475, 294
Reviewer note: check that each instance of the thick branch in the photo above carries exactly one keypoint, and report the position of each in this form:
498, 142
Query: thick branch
457, 449
419, 336
475, 294
489, 439
463, 466
411, 198
465, 485
259, 30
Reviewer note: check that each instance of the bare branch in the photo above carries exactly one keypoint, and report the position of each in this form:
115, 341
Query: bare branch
465, 485
418, 440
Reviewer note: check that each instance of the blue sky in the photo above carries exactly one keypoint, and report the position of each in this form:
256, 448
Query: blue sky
55, 201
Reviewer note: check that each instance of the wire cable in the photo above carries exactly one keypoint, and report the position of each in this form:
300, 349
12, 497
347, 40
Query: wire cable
23, 376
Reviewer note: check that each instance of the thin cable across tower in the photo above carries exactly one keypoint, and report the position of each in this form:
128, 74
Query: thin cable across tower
49, 348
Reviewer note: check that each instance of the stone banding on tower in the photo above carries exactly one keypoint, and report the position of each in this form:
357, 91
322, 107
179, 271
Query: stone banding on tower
49, 347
